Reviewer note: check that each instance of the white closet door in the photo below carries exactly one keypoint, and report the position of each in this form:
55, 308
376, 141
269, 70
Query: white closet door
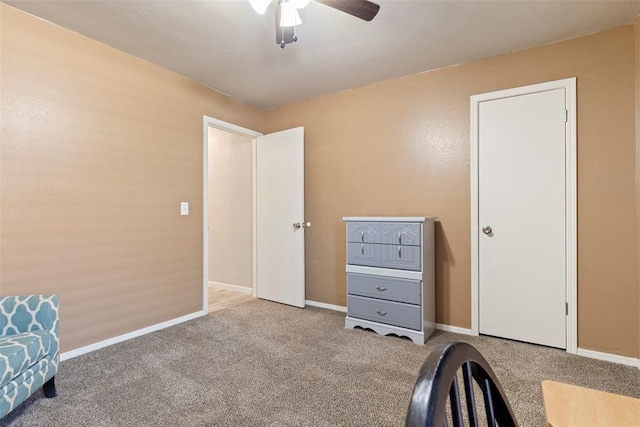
522, 266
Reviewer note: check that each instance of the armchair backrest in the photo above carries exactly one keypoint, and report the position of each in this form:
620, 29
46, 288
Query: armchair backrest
19, 314
437, 385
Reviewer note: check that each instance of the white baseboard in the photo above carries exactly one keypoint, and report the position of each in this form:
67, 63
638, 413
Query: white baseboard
153, 328
325, 305
454, 329
608, 357
228, 287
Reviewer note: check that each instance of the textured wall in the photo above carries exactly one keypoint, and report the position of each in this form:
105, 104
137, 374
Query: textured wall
230, 221
98, 150
637, 29
401, 147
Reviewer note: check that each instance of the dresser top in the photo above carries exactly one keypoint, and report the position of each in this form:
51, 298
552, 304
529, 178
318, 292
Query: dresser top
389, 218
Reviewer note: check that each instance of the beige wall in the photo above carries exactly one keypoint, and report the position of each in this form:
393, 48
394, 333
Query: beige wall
637, 30
98, 150
401, 147
230, 199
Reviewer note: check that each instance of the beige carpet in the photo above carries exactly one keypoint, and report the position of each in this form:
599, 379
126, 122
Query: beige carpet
262, 363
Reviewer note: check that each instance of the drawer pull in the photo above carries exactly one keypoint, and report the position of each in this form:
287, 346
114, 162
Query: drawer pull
362, 236
399, 238
362, 249
399, 251
381, 313
381, 288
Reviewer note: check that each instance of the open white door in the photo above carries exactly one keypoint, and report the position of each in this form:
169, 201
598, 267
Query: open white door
280, 217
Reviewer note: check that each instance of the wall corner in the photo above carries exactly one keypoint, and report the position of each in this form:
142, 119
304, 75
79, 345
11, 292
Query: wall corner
637, 56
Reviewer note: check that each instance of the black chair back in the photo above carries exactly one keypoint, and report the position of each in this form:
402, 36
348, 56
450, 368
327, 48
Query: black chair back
437, 385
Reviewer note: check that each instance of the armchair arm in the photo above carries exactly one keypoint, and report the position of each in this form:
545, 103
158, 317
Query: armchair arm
19, 314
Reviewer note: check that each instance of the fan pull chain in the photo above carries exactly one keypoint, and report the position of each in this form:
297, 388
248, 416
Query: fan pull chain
282, 43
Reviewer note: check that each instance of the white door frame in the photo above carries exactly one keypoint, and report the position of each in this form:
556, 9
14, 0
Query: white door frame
230, 127
571, 195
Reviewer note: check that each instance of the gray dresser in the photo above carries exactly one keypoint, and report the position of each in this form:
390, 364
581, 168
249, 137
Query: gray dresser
390, 275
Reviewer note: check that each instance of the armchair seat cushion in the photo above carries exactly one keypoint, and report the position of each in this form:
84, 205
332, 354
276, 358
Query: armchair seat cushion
29, 348
19, 352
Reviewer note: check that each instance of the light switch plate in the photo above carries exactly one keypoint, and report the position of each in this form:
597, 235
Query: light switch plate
184, 208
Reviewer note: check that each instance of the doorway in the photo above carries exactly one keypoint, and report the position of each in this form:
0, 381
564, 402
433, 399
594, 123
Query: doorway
225, 144
523, 225
230, 218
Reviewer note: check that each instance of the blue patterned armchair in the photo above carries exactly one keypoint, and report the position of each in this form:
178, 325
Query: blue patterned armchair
29, 354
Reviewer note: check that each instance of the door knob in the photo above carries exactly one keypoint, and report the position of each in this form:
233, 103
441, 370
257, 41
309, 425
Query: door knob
487, 229
299, 225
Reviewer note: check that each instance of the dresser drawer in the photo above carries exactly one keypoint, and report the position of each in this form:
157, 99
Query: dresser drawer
400, 233
388, 312
400, 257
388, 288
363, 232
366, 254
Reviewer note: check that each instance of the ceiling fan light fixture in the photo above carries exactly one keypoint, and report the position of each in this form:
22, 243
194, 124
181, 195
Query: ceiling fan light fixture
289, 16
260, 6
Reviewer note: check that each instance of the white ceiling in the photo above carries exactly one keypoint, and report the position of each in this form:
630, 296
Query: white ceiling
225, 45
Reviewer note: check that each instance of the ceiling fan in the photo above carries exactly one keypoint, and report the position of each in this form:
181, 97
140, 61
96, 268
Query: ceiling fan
287, 17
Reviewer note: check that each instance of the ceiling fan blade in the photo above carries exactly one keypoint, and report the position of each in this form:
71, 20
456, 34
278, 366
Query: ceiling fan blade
283, 34
362, 9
